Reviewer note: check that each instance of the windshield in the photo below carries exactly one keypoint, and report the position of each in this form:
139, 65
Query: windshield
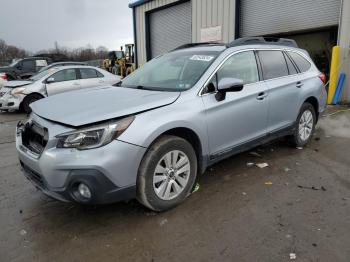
14, 63
42, 74
44, 68
175, 71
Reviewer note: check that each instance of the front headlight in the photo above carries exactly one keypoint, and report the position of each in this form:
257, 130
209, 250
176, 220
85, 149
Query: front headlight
95, 136
16, 92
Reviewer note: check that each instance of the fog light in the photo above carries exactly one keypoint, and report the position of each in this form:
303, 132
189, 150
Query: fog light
84, 191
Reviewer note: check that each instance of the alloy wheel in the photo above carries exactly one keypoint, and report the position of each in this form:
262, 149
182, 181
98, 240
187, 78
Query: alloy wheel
171, 175
305, 125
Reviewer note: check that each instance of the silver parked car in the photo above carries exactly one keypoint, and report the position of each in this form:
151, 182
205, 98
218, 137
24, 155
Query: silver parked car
181, 112
66, 63
19, 94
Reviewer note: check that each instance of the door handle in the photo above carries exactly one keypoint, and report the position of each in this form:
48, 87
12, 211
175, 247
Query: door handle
299, 84
261, 96
101, 81
76, 84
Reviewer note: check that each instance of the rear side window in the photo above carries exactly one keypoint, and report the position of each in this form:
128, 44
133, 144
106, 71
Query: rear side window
99, 74
273, 64
64, 75
300, 61
291, 68
241, 66
87, 73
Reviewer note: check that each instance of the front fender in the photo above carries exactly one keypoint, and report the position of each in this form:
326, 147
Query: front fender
148, 126
38, 88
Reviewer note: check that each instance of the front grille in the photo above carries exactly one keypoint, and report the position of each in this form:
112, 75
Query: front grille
33, 176
34, 137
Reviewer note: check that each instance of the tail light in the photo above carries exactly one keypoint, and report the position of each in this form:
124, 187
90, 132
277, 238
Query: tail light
3, 76
323, 78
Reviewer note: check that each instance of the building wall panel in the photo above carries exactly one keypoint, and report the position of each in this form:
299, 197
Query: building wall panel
205, 14
264, 17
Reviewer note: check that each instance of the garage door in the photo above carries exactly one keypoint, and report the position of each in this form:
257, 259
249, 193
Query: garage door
170, 28
264, 17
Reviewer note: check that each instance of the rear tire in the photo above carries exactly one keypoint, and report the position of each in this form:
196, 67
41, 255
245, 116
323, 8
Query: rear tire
27, 101
128, 71
167, 173
304, 127
116, 70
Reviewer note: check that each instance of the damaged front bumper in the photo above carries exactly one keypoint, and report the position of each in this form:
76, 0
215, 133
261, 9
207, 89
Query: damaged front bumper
9, 102
110, 171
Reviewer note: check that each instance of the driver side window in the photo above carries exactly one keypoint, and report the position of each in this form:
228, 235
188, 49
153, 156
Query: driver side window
241, 66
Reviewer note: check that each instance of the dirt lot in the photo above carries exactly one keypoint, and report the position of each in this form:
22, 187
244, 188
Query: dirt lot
299, 204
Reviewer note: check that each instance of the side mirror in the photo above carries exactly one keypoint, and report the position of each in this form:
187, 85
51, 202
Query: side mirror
228, 84
50, 80
19, 67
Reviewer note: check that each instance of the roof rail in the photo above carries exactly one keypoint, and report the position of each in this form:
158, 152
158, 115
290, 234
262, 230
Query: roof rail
197, 44
260, 40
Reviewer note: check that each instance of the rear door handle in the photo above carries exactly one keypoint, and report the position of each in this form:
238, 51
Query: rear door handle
76, 84
261, 96
299, 84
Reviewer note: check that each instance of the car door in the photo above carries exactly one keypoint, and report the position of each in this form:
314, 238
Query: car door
242, 116
62, 81
90, 78
284, 89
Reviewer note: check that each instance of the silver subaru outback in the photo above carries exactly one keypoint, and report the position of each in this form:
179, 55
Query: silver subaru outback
151, 136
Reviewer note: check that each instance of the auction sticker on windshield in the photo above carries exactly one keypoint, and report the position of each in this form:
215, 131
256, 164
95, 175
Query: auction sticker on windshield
205, 58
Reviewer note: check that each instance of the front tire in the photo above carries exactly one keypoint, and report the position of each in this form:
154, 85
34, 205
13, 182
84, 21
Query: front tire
28, 100
167, 173
305, 126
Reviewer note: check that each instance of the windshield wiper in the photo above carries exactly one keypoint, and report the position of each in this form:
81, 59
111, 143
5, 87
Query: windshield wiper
140, 87
118, 84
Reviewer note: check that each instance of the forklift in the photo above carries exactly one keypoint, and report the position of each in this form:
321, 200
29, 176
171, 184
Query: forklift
121, 62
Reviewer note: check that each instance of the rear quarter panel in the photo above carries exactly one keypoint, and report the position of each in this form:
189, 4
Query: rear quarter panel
313, 87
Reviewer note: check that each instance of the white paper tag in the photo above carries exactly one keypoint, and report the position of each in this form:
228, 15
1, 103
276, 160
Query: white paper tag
41, 62
205, 58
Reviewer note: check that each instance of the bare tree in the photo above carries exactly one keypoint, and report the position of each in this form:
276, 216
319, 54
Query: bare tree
10, 52
58, 52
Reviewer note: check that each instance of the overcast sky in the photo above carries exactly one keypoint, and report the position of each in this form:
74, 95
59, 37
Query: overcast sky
36, 24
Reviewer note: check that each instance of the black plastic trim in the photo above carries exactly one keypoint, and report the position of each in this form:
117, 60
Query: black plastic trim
258, 62
103, 190
135, 38
251, 144
237, 18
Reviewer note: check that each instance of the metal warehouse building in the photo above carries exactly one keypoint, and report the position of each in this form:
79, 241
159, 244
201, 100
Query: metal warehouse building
162, 25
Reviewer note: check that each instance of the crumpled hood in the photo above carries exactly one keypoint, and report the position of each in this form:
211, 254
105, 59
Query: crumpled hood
84, 107
4, 68
17, 83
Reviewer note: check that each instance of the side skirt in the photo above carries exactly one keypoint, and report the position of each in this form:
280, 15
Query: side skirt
251, 144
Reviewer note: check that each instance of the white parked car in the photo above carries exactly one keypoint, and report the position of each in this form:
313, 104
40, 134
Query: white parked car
18, 95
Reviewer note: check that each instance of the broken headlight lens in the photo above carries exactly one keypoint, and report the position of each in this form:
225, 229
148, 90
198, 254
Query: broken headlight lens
95, 136
18, 91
